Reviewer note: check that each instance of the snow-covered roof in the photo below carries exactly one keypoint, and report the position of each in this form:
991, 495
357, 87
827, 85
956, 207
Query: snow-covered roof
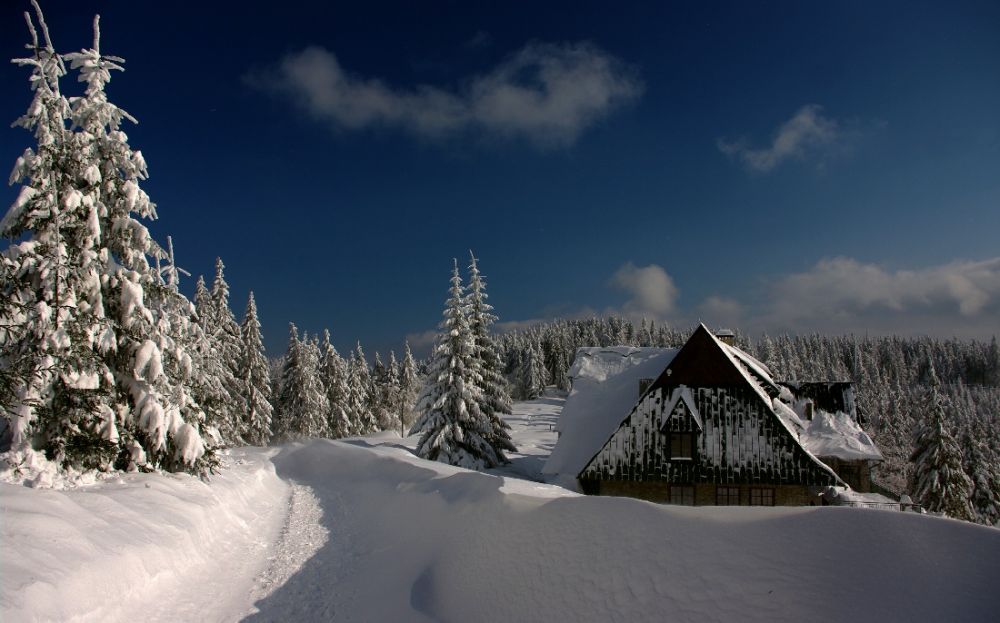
835, 435
605, 388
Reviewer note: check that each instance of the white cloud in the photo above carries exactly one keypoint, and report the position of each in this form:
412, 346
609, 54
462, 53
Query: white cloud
808, 130
546, 93
652, 290
958, 298
721, 311
422, 342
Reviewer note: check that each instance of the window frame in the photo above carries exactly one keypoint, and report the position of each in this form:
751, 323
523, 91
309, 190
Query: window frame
684, 494
724, 495
681, 436
760, 493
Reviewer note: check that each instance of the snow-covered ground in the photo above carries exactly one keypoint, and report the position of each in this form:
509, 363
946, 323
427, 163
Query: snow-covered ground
362, 530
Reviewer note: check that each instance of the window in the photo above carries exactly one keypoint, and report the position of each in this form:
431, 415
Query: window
727, 496
810, 407
761, 497
682, 494
681, 445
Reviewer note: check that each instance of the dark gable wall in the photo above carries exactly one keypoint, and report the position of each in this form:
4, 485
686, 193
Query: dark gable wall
742, 440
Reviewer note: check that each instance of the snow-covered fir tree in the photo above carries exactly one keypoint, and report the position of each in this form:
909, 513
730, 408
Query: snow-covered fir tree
496, 399
532, 377
219, 324
409, 387
335, 375
303, 407
940, 484
57, 390
396, 400
111, 384
255, 379
452, 428
215, 381
363, 421
385, 386
985, 477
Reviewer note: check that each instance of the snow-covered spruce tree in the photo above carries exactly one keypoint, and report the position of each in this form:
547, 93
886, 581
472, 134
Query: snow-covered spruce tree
362, 396
495, 395
214, 377
255, 380
939, 482
157, 427
56, 389
137, 407
409, 387
985, 478
532, 375
302, 403
219, 323
334, 374
452, 428
385, 386
395, 398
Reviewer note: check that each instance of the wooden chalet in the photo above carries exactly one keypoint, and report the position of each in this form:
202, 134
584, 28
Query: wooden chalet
708, 425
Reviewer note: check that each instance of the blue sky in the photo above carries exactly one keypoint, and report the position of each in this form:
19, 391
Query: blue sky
779, 166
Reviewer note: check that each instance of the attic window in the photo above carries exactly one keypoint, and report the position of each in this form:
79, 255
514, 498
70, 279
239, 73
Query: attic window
644, 385
681, 446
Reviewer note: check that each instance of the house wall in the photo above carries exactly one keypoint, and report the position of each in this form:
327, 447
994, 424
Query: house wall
857, 474
704, 494
741, 442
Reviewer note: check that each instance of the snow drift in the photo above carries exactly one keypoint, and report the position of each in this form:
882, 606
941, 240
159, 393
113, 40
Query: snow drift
410, 540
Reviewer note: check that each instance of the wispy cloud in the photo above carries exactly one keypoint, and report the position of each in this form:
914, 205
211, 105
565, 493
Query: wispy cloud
958, 296
807, 132
837, 295
547, 93
651, 290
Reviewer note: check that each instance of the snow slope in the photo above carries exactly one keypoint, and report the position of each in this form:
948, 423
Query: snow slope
363, 530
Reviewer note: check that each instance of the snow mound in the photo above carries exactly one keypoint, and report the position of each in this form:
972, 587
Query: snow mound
151, 547
388, 537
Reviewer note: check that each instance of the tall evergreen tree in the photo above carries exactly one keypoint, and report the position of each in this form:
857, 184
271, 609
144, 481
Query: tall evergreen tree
255, 379
224, 333
940, 484
361, 401
496, 399
452, 428
335, 376
409, 387
303, 405
113, 374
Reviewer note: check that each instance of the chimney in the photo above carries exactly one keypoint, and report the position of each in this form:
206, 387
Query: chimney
726, 336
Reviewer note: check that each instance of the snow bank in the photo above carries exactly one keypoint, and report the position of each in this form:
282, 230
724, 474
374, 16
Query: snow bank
605, 388
418, 541
402, 539
133, 548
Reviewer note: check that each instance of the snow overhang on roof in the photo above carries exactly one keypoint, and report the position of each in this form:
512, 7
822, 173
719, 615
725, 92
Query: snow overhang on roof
605, 389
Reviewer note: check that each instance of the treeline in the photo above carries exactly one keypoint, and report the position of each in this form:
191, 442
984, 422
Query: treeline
893, 376
319, 393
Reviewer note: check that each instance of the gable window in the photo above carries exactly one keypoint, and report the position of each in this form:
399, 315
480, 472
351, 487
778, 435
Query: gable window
761, 496
682, 494
727, 496
681, 446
